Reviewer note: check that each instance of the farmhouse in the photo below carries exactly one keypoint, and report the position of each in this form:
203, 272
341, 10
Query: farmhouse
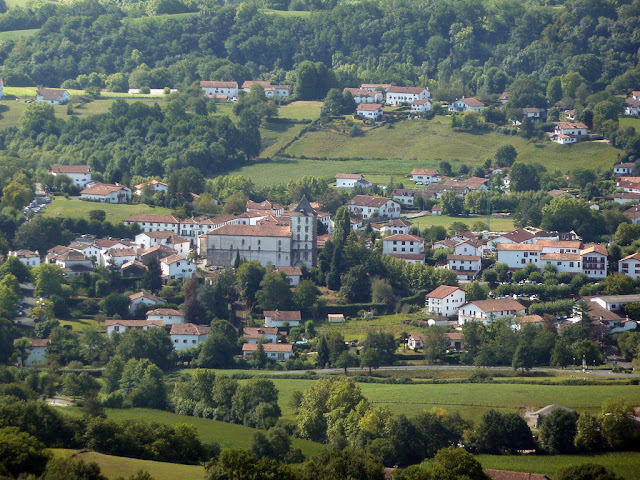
176, 267
425, 176
632, 105
372, 87
405, 196
260, 334
119, 326
406, 95
229, 89
406, 247
569, 132
534, 419
486, 311
368, 206
531, 113
348, 180
118, 256
445, 300
371, 111
361, 95
154, 186
420, 106
186, 335
416, 340
280, 352
168, 316
465, 266
53, 96
398, 226
608, 312
290, 245
143, 298
622, 169
73, 263
504, 98
270, 90
630, 266
154, 223
454, 341
294, 274
79, 174
466, 104
103, 193
335, 318
29, 258
37, 352
282, 318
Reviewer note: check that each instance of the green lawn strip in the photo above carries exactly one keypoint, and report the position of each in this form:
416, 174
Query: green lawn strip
15, 35
302, 110
116, 213
356, 329
623, 463
286, 13
497, 224
113, 466
630, 122
226, 434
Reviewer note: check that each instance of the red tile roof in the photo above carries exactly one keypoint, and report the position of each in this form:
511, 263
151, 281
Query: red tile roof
188, 329
165, 311
472, 102
368, 201
268, 347
443, 291
571, 125
406, 90
80, 169
259, 332
134, 323
151, 218
403, 238
148, 295
283, 315
498, 305
216, 84
349, 176
424, 171
102, 189
369, 107
53, 94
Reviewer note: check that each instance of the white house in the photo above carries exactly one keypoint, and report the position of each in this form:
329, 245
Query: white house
119, 326
372, 87
103, 193
176, 267
79, 174
29, 258
73, 263
406, 95
152, 185
143, 298
168, 316
335, 317
504, 98
37, 353
1, 88
406, 247
260, 334
370, 111
368, 206
445, 300
569, 132
294, 274
425, 176
151, 239
154, 223
270, 90
416, 340
532, 113
54, 96
420, 106
486, 311
265, 208
465, 266
361, 95
281, 318
397, 226
187, 335
467, 104
280, 352
405, 196
229, 89
469, 247
347, 180
632, 105
118, 256
630, 266
623, 168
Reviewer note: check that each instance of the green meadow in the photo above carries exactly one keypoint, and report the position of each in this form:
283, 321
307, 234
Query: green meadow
116, 213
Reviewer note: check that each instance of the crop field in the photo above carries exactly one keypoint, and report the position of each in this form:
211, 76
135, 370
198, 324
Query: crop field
74, 208
413, 143
623, 463
497, 224
113, 466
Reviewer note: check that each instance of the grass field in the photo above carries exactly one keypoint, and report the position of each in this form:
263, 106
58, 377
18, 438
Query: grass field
226, 434
277, 135
113, 467
74, 208
497, 224
302, 110
629, 121
286, 13
414, 143
356, 329
625, 463
15, 35
472, 400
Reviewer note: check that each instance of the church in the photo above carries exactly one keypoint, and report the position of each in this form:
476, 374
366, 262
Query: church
278, 241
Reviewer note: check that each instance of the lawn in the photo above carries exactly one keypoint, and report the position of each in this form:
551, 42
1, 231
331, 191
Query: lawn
629, 121
357, 329
276, 135
286, 13
113, 467
412, 144
74, 208
624, 463
15, 35
226, 434
302, 110
497, 224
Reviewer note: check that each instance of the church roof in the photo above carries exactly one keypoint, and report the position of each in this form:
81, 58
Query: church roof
305, 208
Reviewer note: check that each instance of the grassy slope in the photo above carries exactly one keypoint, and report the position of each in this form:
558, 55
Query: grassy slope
277, 135
629, 121
302, 110
15, 35
115, 213
624, 464
112, 466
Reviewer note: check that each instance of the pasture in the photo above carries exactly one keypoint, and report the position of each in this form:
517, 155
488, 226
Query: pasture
74, 208
274, 136
15, 35
501, 224
113, 467
301, 110
623, 463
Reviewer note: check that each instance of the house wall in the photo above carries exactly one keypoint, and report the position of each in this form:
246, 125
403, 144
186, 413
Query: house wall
133, 304
222, 249
631, 268
180, 269
345, 182
269, 322
446, 306
182, 342
167, 319
37, 356
402, 246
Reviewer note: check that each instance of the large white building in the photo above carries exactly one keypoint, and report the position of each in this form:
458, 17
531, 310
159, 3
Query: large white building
54, 96
153, 186
406, 247
630, 266
229, 89
406, 95
103, 193
79, 174
569, 132
349, 180
466, 105
361, 95
187, 335
425, 176
29, 258
282, 318
154, 223
270, 90
168, 316
486, 311
368, 206
260, 334
465, 266
445, 300
282, 245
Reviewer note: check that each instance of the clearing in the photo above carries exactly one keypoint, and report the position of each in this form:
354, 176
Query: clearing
116, 213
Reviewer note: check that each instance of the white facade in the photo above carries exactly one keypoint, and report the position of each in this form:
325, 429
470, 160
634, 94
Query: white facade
37, 352
465, 266
281, 318
256, 335
466, 104
445, 300
425, 176
29, 258
103, 193
420, 106
155, 223
80, 175
176, 267
120, 326
630, 266
229, 89
168, 316
623, 169
53, 96
361, 95
403, 244
569, 132
119, 256
279, 352
370, 111
143, 298
187, 335
154, 185
406, 95
347, 180
486, 311
367, 206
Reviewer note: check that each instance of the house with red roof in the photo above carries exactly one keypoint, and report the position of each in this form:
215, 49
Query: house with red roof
79, 174
53, 96
409, 248
362, 95
445, 300
282, 318
187, 335
425, 176
630, 266
406, 95
228, 89
280, 352
369, 111
569, 132
168, 316
486, 311
104, 193
368, 206
467, 104
37, 352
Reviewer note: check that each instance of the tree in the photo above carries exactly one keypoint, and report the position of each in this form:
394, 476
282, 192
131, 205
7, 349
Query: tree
305, 295
379, 349
259, 357
524, 177
249, 277
588, 471
116, 304
216, 352
346, 360
22, 348
506, 155
67, 468
617, 284
381, 291
452, 463
21, 453
14, 266
350, 462
558, 431
274, 292
554, 90
452, 203
152, 277
568, 213
475, 291
500, 433
589, 436
194, 311
322, 359
356, 285
38, 118
434, 344
49, 280
616, 423
523, 357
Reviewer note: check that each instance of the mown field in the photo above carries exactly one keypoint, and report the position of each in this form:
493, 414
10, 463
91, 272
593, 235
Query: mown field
625, 464
74, 208
15, 35
629, 121
497, 224
113, 467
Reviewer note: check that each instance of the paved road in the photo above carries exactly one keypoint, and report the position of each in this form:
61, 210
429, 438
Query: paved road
599, 373
27, 296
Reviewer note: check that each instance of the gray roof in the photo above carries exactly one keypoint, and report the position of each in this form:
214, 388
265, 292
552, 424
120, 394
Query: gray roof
619, 298
305, 208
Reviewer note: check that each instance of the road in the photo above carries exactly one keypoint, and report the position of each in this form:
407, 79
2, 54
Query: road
27, 296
